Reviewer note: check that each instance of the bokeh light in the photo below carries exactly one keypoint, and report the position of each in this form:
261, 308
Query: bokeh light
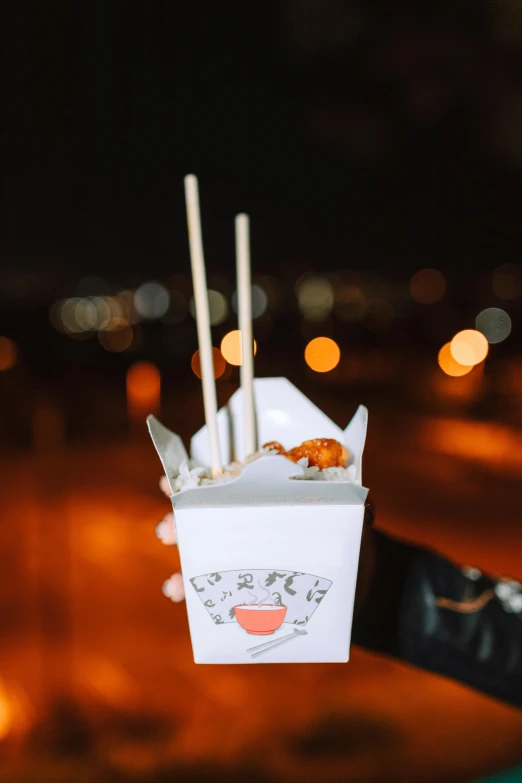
116, 324
377, 315
322, 354
8, 354
220, 364
6, 713
79, 315
102, 306
259, 301
315, 296
117, 340
125, 301
428, 286
507, 281
68, 314
84, 315
143, 388
55, 315
152, 300
231, 347
217, 307
494, 323
469, 347
449, 365
110, 312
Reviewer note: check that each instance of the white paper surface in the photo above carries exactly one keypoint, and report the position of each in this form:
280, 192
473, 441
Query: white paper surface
293, 535
323, 542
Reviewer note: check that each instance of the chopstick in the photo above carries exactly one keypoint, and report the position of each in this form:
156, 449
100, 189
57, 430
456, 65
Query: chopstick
270, 643
277, 642
244, 300
199, 281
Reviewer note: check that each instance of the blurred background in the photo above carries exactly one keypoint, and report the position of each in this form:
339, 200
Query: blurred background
378, 150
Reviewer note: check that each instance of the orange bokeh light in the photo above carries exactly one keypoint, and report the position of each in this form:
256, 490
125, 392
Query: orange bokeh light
118, 340
220, 364
6, 711
469, 347
449, 365
428, 286
8, 353
231, 347
143, 388
322, 354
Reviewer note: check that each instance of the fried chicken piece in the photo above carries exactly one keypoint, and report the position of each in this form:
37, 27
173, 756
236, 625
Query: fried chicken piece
322, 452
275, 446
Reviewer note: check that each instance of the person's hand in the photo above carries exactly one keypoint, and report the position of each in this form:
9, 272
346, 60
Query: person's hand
173, 587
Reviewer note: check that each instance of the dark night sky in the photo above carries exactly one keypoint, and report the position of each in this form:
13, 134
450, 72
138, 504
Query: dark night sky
355, 134
371, 136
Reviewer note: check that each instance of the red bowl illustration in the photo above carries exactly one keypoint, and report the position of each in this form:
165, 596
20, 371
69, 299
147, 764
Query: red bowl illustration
261, 620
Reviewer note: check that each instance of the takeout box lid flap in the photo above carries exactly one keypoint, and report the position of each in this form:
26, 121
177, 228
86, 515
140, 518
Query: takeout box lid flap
169, 446
284, 414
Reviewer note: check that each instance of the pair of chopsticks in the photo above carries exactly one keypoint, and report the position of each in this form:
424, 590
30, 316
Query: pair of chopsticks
261, 649
199, 280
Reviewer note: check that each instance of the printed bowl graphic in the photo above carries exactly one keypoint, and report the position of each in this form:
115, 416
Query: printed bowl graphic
297, 593
260, 620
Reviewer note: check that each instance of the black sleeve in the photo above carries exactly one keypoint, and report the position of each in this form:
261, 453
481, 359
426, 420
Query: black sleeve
457, 622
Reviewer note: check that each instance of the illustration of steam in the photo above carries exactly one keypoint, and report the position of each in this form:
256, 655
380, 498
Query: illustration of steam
259, 601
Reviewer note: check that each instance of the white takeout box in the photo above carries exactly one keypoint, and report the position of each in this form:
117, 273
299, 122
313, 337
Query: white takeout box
268, 537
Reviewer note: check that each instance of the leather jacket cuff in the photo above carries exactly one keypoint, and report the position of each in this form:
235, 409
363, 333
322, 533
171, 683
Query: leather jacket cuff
438, 616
